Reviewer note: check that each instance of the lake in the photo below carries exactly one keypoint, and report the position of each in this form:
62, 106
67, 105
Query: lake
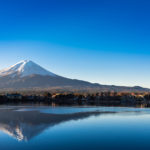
75, 128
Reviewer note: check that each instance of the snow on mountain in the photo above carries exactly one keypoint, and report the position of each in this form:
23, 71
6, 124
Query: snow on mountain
25, 68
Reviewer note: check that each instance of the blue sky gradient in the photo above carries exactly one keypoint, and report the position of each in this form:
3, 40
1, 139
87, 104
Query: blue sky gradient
100, 41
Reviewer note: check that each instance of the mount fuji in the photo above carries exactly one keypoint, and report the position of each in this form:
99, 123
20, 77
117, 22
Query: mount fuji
28, 75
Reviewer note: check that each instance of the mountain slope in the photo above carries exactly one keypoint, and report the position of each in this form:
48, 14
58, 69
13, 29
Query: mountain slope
28, 75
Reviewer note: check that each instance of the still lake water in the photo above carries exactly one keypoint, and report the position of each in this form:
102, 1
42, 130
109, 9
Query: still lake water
64, 128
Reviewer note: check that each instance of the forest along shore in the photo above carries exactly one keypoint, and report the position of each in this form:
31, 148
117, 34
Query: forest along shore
102, 98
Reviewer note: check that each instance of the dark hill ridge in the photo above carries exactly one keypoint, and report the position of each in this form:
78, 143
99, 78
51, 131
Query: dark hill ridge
28, 75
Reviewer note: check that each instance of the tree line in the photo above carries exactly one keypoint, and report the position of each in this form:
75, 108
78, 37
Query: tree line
101, 98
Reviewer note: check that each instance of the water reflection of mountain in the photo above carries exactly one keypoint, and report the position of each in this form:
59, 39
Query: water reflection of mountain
26, 125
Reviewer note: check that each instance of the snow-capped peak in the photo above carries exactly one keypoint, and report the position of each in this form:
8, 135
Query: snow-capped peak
25, 68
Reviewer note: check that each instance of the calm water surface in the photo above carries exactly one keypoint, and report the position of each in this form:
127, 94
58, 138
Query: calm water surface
64, 128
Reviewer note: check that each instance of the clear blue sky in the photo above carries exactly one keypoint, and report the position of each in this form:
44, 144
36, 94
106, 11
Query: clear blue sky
104, 41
